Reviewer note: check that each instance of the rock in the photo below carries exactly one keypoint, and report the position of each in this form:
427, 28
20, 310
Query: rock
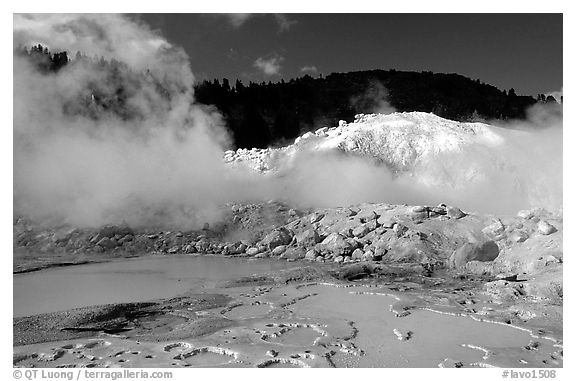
293, 253
519, 236
547, 259
252, 251
127, 238
279, 250
368, 256
545, 228
399, 229
237, 248
262, 255
311, 255
272, 353
402, 337
316, 217
107, 243
360, 231
190, 249
525, 214
419, 209
379, 253
438, 210
336, 244
504, 290
203, 245
495, 230
482, 252
292, 213
357, 254
206, 226
347, 232
418, 216
308, 238
277, 237
173, 250
372, 225
60, 237
339, 259
386, 222
454, 212
352, 211
367, 215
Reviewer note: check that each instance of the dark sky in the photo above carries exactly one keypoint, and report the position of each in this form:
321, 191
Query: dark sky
523, 51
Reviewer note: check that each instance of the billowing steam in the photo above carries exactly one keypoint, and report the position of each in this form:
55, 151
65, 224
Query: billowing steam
159, 160
161, 165
374, 100
521, 169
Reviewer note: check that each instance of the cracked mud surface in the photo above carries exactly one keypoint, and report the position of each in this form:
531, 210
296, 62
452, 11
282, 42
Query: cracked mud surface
298, 324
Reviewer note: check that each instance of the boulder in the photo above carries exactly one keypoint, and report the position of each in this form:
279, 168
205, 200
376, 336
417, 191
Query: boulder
482, 252
503, 290
525, 214
545, 228
368, 256
278, 250
367, 215
308, 238
379, 253
203, 245
438, 210
107, 243
357, 254
336, 244
519, 236
316, 217
311, 255
294, 253
454, 212
277, 237
418, 216
495, 230
386, 222
252, 251
190, 249
399, 229
360, 231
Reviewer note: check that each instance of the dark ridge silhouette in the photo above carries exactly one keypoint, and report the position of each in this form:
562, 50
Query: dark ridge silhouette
264, 114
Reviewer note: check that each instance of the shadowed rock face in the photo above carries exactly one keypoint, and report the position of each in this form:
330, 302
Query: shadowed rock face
482, 252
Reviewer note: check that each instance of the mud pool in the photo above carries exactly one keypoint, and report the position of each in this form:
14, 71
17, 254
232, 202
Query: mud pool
128, 280
311, 324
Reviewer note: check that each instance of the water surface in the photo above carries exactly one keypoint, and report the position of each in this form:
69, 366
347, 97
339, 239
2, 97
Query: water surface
128, 280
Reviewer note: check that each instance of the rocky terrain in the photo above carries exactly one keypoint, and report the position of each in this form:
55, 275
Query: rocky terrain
504, 268
522, 254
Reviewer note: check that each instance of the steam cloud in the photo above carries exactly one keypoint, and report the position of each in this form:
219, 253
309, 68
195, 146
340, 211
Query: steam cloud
373, 101
161, 167
165, 167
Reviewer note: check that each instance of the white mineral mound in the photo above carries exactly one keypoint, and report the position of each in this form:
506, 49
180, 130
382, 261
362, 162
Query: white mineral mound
425, 152
400, 141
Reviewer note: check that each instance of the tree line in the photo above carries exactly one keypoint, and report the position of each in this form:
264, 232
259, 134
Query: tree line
264, 114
